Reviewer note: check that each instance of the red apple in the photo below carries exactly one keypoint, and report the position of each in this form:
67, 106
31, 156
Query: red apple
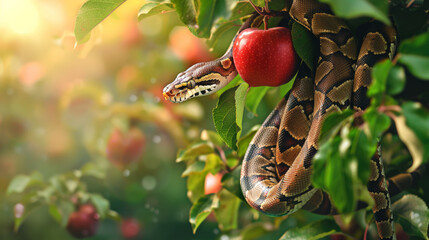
84, 222
125, 148
265, 57
213, 183
130, 228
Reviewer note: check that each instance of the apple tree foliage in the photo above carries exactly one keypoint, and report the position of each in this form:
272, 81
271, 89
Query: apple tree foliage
398, 117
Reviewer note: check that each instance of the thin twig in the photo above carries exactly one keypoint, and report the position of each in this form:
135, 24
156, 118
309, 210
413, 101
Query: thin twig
410, 3
223, 158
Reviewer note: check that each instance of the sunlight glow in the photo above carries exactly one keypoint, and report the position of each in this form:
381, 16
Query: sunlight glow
19, 16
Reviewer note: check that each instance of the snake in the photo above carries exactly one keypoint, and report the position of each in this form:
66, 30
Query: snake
277, 167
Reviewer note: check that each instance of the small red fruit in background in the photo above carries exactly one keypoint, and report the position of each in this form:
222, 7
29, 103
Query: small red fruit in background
124, 148
130, 228
265, 57
84, 222
213, 183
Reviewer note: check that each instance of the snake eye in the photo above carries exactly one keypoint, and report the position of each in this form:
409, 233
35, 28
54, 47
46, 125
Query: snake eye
191, 84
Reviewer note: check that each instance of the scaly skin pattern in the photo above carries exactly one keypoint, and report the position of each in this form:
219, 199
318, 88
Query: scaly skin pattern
276, 170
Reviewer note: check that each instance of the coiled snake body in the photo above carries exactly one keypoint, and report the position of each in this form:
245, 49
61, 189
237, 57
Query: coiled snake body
276, 169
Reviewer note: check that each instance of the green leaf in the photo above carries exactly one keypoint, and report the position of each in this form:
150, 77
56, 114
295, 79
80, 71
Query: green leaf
93, 170
153, 8
228, 114
193, 168
244, 141
212, 137
186, 11
412, 213
201, 209
18, 184
208, 13
313, 231
28, 209
414, 53
341, 167
199, 16
380, 73
305, 45
61, 212
101, 204
396, 80
333, 123
377, 123
91, 14
21, 182
377, 9
227, 212
195, 186
114, 216
231, 182
195, 150
418, 65
255, 231
254, 97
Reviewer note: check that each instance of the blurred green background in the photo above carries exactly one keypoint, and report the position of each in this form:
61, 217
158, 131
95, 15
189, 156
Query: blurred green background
60, 103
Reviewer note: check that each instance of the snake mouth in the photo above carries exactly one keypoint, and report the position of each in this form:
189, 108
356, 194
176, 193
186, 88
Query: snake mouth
178, 95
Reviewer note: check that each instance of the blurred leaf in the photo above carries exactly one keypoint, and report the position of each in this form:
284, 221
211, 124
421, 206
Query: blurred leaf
395, 80
305, 45
417, 120
362, 149
152, 8
211, 136
333, 123
91, 14
414, 53
195, 167
55, 213
313, 231
254, 97
201, 209
227, 212
348, 9
213, 163
90, 169
195, 186
20, 182
377, 123
254, 231
342, 162
114, 216
231, 182
380, 72
101, 204
228, 114
61, 212
244, 141
28, 209
195, 150
412, 213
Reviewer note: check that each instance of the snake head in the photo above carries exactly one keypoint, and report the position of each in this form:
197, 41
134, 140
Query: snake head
200, 79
